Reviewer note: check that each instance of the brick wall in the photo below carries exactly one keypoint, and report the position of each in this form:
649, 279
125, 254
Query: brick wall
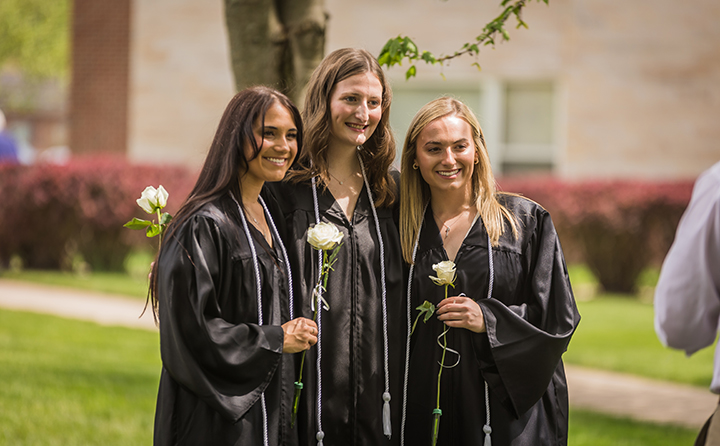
100, 74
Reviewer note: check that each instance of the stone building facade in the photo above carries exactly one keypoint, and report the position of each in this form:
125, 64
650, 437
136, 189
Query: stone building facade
593, 89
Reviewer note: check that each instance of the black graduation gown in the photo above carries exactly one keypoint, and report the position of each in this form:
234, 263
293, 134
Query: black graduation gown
530, 319
353, 375
216, 359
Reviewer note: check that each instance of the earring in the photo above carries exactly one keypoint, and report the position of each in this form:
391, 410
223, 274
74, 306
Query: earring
477, 160
415, 166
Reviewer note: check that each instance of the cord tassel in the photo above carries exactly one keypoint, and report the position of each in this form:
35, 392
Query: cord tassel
387, 426
488, 430
319, 436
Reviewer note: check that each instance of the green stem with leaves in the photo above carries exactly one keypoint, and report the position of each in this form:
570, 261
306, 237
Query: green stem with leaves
324, 273
402, 47
437, 413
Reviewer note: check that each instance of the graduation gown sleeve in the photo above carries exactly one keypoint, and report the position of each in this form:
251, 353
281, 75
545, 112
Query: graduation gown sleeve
211, 342
529, 332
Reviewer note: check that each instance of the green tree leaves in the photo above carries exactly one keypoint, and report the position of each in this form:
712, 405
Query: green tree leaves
34, 36
402, 47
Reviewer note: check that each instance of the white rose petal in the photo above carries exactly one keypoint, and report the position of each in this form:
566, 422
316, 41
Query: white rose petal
445, 273
153, 199
145, 200
162, 197
324, 236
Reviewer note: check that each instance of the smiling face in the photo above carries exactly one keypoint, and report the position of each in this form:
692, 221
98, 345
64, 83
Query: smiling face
445, 155
355, 110
277, 140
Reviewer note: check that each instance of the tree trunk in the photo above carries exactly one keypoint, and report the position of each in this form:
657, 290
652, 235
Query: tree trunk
276, 43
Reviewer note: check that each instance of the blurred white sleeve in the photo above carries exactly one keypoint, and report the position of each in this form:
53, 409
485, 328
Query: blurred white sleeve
687, 297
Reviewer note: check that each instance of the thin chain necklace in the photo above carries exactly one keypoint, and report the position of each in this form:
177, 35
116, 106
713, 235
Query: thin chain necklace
343, 181
446, 226
257, 223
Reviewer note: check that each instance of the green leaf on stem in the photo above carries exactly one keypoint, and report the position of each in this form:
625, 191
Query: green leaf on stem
410, 72
165, 218
137, 223
153, 230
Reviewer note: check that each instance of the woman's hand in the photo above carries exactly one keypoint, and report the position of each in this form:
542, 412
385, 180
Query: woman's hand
300, 334
461, 312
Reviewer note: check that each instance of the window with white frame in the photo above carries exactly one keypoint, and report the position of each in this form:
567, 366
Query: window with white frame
517, 118
529, 127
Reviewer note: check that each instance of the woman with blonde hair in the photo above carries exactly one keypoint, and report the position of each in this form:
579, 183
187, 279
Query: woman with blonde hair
488, 366
344, 177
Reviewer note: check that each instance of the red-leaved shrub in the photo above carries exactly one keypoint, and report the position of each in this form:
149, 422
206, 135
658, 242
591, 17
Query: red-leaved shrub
618, 228
48, 212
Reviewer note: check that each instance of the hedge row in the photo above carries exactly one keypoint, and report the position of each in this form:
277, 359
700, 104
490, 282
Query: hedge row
50, 214
618, 228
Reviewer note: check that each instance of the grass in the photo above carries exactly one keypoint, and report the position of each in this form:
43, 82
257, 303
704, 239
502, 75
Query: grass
617, 333
75, 383
69, 382
132, 282
593, 429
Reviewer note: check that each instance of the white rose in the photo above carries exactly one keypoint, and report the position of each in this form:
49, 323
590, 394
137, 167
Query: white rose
324, 236
445, 273
153, 199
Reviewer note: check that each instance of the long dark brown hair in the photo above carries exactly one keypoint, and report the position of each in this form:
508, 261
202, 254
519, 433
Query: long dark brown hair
377, 153
226, 160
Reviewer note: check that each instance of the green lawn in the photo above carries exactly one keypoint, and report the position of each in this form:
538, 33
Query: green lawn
132, 282
616, 333
593, 429
69, 382
75, 383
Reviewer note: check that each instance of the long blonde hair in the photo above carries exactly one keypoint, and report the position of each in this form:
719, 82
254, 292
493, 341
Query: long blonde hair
415, 192
377, 153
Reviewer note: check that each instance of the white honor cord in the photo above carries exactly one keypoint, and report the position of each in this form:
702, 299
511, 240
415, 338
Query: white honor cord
486, 428
288, 270
409, 331
320, 434
387, 425
258, 291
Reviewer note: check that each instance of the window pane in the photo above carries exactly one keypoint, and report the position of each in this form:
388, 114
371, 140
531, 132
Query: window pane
529, 113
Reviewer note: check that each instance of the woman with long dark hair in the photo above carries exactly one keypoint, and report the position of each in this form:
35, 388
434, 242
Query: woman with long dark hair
488, 364
222, 289
344, 177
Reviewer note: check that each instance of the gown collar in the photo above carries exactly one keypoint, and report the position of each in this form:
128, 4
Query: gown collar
431, 239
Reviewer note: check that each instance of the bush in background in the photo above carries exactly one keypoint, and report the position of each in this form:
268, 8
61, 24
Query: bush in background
618, 228
52, 214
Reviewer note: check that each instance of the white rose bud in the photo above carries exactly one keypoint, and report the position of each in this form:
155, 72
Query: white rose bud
153, 199
445, 273
324, 236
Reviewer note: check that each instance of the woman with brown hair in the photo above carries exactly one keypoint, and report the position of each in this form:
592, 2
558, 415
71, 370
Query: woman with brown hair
488, 366
344, 177
223, 291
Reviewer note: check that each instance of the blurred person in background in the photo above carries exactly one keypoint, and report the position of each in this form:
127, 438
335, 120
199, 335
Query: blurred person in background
687, 296
8, 146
